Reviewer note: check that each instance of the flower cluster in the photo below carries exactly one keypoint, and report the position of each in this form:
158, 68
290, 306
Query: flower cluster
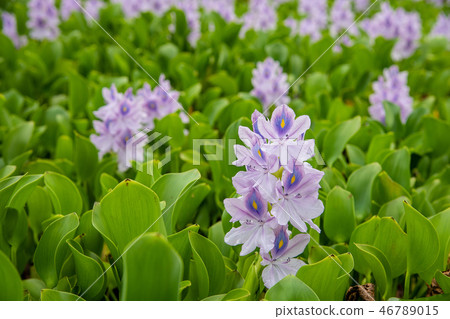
270, 84
261, 16
391, 87
124, 115
224, 8
314, 21
191, 11
342, 18
442, 27
398, 24
10, 30
361, 5
43, 19
276, 173
92, 7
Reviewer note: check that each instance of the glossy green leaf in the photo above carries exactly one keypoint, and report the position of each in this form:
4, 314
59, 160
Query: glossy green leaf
23, 190
423, 241
170, 187
205, 251
360, 184
163, 270
365, 233
90, 277
86, 157
64, 193
378, 145
443, 281
378, 265
337, 137
339, 216
236, 294
7, 171
10, 283
128, 211
180, 241
17, 140
52, 249
397, 166
55, 295
290, 288
39, 209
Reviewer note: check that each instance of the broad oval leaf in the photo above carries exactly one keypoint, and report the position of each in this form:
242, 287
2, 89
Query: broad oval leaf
10, 283
291, 288
64, 193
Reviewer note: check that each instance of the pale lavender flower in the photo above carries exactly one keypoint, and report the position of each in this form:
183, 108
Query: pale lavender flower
131, 8
159, 102
398, 24
315, 20
296, 198
391, 87
67, 7
261, 16
43, 19
257, 225
119, 120
442, 27
93, 8
280, 261
225, 8
361, 5
157, 7
10, 30
270, 83
342, 19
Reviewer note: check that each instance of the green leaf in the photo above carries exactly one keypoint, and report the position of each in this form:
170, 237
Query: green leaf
339, 216
443, 281
55, 295
360, 184
397, 165
170, 187
236, 294
39, 209
187, 206
363, 234
52, 249
17, 141
423, 241
378, 145
78, 93
337, 137
10, 283
379, 266
385, 189
23, 190
206, 252
180, 241
290, 288
163, 270
225, 82
86, 157
7, 171
128, 211
90, 276
317, 253
64, 193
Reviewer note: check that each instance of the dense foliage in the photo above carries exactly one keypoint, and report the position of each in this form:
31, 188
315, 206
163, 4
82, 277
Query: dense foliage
78, 227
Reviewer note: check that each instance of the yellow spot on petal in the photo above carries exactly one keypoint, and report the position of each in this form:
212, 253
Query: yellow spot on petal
255, 206
280, 244
124, 109
293, 179
259, 153
283, 124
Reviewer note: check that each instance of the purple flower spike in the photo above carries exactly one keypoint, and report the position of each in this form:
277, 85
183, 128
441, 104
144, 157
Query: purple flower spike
224, 8
261, 16
10, 30
391, 87
270, 83
43, 19
442, 27
280, 261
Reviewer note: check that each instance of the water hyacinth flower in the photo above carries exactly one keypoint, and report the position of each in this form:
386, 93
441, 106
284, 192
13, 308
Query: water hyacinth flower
342, 19
43, 19
257, 225
10, 30
442, 27
361, 5
93, 8
391, 87
261, 16
157, 7
225, 8
131, 8
67, 7
398, 24
315, 20
280, 260
285, 181
119, 120
270, 83
159, 102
